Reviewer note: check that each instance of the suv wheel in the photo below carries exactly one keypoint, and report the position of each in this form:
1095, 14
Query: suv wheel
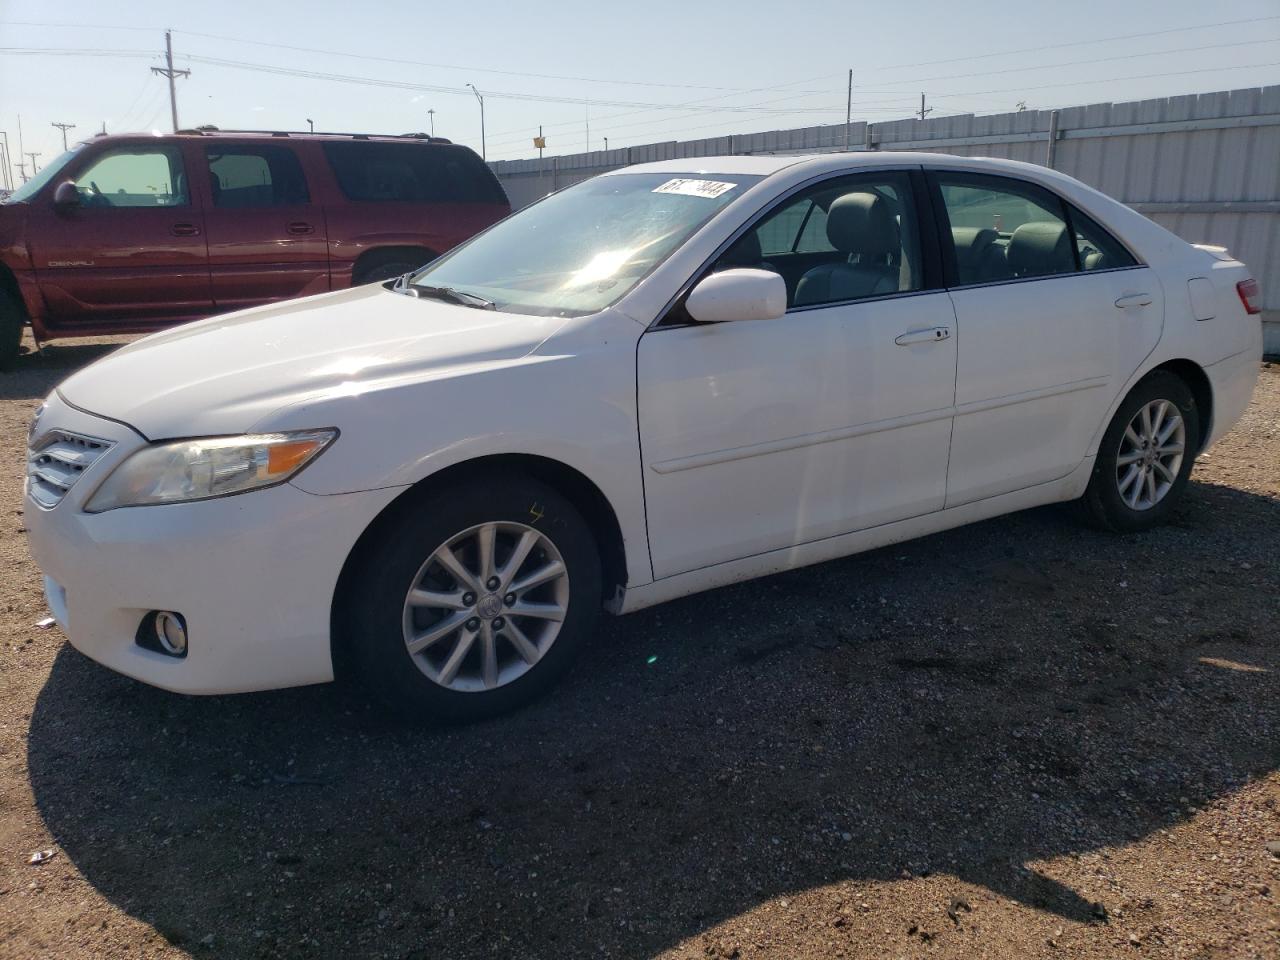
377, 268
1146, 456
475, 601
12, 319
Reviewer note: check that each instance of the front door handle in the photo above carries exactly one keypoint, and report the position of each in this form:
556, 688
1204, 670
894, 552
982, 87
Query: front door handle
1134, 300
929, 335
298, 228
185, 230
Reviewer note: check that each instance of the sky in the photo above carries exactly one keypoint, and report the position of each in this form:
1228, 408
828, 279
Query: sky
585, 71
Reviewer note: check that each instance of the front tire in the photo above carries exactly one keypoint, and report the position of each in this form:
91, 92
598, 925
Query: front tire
473, 600
12, 319
1146, 455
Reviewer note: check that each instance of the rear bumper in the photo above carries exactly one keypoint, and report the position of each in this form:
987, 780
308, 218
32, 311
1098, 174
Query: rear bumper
1232, 381
254, 575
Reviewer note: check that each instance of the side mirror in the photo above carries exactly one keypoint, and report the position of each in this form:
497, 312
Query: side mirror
738, 294
66, 196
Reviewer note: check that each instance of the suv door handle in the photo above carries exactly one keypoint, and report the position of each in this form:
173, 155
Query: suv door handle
298, 228
185, 230
931, 335
1134, 300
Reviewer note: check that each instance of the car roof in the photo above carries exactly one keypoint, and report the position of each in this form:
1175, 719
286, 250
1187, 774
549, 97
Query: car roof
207, 134
767, 165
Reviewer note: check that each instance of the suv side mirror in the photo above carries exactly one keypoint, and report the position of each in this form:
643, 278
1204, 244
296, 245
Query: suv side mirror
738, 294
66, 196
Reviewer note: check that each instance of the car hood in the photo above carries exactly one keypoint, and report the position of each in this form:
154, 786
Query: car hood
227, 374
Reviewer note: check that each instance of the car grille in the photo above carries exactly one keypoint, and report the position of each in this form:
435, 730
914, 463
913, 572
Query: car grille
56, 461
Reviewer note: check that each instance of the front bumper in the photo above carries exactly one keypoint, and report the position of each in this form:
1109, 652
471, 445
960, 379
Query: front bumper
254, 575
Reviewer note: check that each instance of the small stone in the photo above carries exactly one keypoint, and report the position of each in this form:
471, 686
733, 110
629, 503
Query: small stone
1273, 847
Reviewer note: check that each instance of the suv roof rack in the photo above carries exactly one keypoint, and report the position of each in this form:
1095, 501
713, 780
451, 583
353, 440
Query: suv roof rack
210, 131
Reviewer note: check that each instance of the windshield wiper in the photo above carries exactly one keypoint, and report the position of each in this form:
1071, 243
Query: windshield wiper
448, 294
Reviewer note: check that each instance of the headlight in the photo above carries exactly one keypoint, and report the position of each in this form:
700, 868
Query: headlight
183, 470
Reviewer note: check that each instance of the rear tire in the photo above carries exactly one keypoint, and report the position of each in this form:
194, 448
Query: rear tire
1146, 456
376, 267
498, 647
12, 319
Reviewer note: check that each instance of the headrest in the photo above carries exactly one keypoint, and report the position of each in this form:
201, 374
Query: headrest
1039, 248
862, 222
971, 242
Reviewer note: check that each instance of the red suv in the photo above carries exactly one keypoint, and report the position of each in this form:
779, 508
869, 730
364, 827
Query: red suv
130, 233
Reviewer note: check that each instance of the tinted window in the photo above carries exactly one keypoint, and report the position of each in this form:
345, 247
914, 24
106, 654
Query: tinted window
843, 239
411, 173
1004, 229
253, 176
135, 177
1097, 249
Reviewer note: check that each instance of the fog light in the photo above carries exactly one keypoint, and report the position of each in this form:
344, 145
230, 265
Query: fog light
171, 633
164, 632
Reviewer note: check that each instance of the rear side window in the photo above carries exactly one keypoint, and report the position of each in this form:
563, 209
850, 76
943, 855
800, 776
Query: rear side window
1005, 229
1098, 250
246, 176
410, 173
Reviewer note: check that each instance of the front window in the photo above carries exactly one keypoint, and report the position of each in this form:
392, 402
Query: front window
51, 170
578, 251
135, 177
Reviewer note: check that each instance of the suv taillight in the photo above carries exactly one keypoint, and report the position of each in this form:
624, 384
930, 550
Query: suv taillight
1250, 295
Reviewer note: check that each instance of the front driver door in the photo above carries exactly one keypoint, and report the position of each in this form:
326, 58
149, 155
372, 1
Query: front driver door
760, 435
133, 250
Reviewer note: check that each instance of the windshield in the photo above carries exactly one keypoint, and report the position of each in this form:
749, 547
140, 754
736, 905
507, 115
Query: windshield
581, 249
51, 170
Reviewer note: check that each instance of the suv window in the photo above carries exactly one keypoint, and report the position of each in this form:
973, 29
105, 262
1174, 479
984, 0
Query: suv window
839, 240
242, 176
410, 173
135, 177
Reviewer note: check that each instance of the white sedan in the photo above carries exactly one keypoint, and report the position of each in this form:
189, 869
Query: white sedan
661, 380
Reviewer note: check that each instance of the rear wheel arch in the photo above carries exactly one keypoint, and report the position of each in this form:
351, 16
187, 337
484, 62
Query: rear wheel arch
375, 263
1197, 381
567, 481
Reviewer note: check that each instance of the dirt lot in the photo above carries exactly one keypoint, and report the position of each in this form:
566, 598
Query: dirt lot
1020, 739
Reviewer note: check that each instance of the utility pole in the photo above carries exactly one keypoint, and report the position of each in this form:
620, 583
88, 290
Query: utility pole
606, 144
586, 108
64, 127
924, 112
4, 160
168, 71
431, 118
22, 171
312, 124
483, 156
848, 112
33, 154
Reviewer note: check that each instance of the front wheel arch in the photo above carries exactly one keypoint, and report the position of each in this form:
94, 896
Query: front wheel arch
569, 482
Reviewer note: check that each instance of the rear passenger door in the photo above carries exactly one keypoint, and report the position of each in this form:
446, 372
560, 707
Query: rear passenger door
1053, 315
266, 237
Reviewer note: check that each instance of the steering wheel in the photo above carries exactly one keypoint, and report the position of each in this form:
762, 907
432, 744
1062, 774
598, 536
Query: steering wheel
96, 197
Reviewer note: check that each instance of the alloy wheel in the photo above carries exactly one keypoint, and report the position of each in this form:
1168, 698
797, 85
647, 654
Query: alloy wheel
1150, 454
486, 606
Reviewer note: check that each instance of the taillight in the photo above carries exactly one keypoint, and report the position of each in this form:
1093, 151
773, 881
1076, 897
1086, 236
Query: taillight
1250, 295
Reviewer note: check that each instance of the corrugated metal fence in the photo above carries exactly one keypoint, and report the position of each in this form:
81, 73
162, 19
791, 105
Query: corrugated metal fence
1207, 166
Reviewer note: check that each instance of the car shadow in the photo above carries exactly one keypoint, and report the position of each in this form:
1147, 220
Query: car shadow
36, 372
968, 704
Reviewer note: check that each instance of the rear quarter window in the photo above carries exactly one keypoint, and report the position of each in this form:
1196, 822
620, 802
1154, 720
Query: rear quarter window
410, 173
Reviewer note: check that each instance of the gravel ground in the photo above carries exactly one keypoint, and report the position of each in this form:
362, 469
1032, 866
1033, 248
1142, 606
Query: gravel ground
1019, 739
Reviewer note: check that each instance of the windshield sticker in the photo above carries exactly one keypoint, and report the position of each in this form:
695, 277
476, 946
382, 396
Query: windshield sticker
696, 188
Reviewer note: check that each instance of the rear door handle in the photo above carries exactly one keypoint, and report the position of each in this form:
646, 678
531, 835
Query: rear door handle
299, 228
1134, 300
185, 230
930, 335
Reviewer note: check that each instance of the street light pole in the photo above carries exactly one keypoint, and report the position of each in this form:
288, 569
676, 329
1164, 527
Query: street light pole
481, 99
431, 117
